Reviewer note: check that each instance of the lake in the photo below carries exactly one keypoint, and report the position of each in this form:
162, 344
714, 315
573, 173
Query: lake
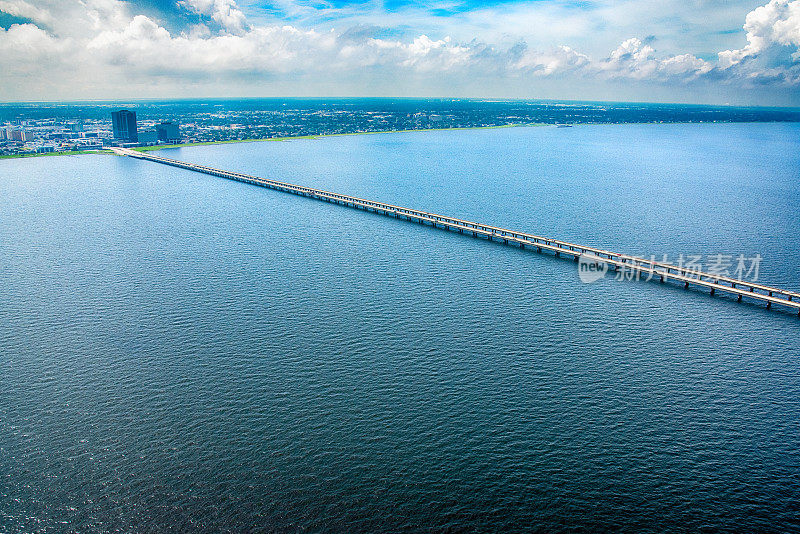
183, 352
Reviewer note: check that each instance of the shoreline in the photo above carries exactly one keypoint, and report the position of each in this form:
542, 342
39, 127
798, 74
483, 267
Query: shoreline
106, 151
322, 136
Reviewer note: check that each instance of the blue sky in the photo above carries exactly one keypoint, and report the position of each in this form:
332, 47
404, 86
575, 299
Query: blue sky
698, 51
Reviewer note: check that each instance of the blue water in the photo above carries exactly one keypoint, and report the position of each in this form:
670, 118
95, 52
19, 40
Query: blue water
182, 352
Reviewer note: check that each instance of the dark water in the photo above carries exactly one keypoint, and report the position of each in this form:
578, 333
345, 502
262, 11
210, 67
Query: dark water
181, 352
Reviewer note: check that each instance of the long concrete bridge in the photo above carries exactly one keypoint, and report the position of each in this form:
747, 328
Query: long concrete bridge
639, 267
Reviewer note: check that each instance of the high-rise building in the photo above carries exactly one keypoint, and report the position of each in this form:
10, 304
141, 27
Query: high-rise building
168, 132
21, 135
124, 125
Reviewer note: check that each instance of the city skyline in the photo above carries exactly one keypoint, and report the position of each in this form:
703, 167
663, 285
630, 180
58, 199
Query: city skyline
709, 52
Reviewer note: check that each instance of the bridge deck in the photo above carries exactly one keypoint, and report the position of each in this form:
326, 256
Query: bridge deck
640, 266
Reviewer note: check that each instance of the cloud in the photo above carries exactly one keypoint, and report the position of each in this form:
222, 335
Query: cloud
774, 24
26, 51
145, 46
635, 60
558, 61
108, 43
23, 44
225, 12
22, 9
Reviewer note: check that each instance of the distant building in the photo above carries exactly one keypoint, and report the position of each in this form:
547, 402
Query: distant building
20, 135
90, 145
148, 137
45, 149
124, 125
169, 132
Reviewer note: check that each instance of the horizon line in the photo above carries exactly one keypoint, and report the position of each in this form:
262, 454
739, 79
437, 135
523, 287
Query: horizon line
440, 98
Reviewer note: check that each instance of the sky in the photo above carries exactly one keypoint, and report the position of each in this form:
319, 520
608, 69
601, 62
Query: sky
694, 51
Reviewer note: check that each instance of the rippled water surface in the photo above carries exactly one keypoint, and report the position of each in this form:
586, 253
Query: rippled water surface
183, 352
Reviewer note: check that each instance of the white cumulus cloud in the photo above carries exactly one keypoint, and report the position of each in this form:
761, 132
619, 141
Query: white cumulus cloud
225, 12
23, 9
776, 23
87, 43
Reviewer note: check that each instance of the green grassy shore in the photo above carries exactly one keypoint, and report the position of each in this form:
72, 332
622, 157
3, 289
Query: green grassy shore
65, 153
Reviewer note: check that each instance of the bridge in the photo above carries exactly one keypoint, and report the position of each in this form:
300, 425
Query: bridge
639, 267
